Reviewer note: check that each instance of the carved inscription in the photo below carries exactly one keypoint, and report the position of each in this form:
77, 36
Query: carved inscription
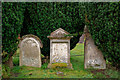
30, 52
60, 53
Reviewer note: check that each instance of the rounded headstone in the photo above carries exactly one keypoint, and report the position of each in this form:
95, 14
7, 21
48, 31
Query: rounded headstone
30, 53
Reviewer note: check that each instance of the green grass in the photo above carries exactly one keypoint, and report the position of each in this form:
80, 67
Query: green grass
16, 61
108, 73
43, 72
78, 50
77, 72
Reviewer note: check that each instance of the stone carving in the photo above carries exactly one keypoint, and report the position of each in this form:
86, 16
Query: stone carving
59, 53
30, 53
93, 57
60, 47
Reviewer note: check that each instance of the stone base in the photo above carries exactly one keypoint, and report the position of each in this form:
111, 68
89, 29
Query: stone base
69, 65
101, 66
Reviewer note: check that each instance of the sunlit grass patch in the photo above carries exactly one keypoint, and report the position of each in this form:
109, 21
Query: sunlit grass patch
78, 50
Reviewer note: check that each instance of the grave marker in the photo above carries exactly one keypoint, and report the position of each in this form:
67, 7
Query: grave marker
93, 57
60, 47
30, 53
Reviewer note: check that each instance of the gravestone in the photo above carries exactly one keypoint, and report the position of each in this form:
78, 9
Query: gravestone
30, 53
93, 57
81, 40
60, 47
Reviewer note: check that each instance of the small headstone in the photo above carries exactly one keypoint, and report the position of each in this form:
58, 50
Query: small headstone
93, 56
30, 53
60, 47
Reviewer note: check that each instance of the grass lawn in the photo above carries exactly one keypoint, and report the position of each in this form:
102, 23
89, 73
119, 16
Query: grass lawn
77, 60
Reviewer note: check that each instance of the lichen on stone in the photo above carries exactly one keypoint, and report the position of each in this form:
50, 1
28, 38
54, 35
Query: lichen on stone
59, 65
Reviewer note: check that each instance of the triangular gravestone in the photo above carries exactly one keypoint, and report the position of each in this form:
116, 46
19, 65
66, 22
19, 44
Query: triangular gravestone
93, 57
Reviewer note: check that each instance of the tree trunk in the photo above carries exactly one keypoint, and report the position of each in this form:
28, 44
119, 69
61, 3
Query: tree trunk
9, 62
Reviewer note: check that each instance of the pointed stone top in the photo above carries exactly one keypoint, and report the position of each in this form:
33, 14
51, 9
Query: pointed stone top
59, 33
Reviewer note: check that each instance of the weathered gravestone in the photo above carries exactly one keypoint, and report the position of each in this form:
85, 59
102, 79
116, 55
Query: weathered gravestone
93, 57
60, 48
30, 53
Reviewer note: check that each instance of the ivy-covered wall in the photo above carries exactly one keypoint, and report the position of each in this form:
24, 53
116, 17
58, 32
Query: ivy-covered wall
41, 19
12, 21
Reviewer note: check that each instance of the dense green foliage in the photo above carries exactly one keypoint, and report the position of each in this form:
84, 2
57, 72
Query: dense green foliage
41, 19
103, 26
0, 32
12, 20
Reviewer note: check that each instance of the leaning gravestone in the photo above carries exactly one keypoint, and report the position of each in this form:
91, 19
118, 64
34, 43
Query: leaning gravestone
30, 53
93, 57
60, 48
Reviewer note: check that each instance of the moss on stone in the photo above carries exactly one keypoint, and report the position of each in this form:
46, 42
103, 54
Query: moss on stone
60, 65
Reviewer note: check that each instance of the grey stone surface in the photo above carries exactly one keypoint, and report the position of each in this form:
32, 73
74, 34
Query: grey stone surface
60, 47
30, 53
93, 57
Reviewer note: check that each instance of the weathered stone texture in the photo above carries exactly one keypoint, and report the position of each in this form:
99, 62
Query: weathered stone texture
59, 47
30, 53
59, 53
93, 57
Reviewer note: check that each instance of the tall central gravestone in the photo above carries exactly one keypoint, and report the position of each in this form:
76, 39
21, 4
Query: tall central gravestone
93, 57
30, 53
60, 47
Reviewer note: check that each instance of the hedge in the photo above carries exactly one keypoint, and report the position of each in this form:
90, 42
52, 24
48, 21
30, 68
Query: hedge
103, 25
12, 21
41, 19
